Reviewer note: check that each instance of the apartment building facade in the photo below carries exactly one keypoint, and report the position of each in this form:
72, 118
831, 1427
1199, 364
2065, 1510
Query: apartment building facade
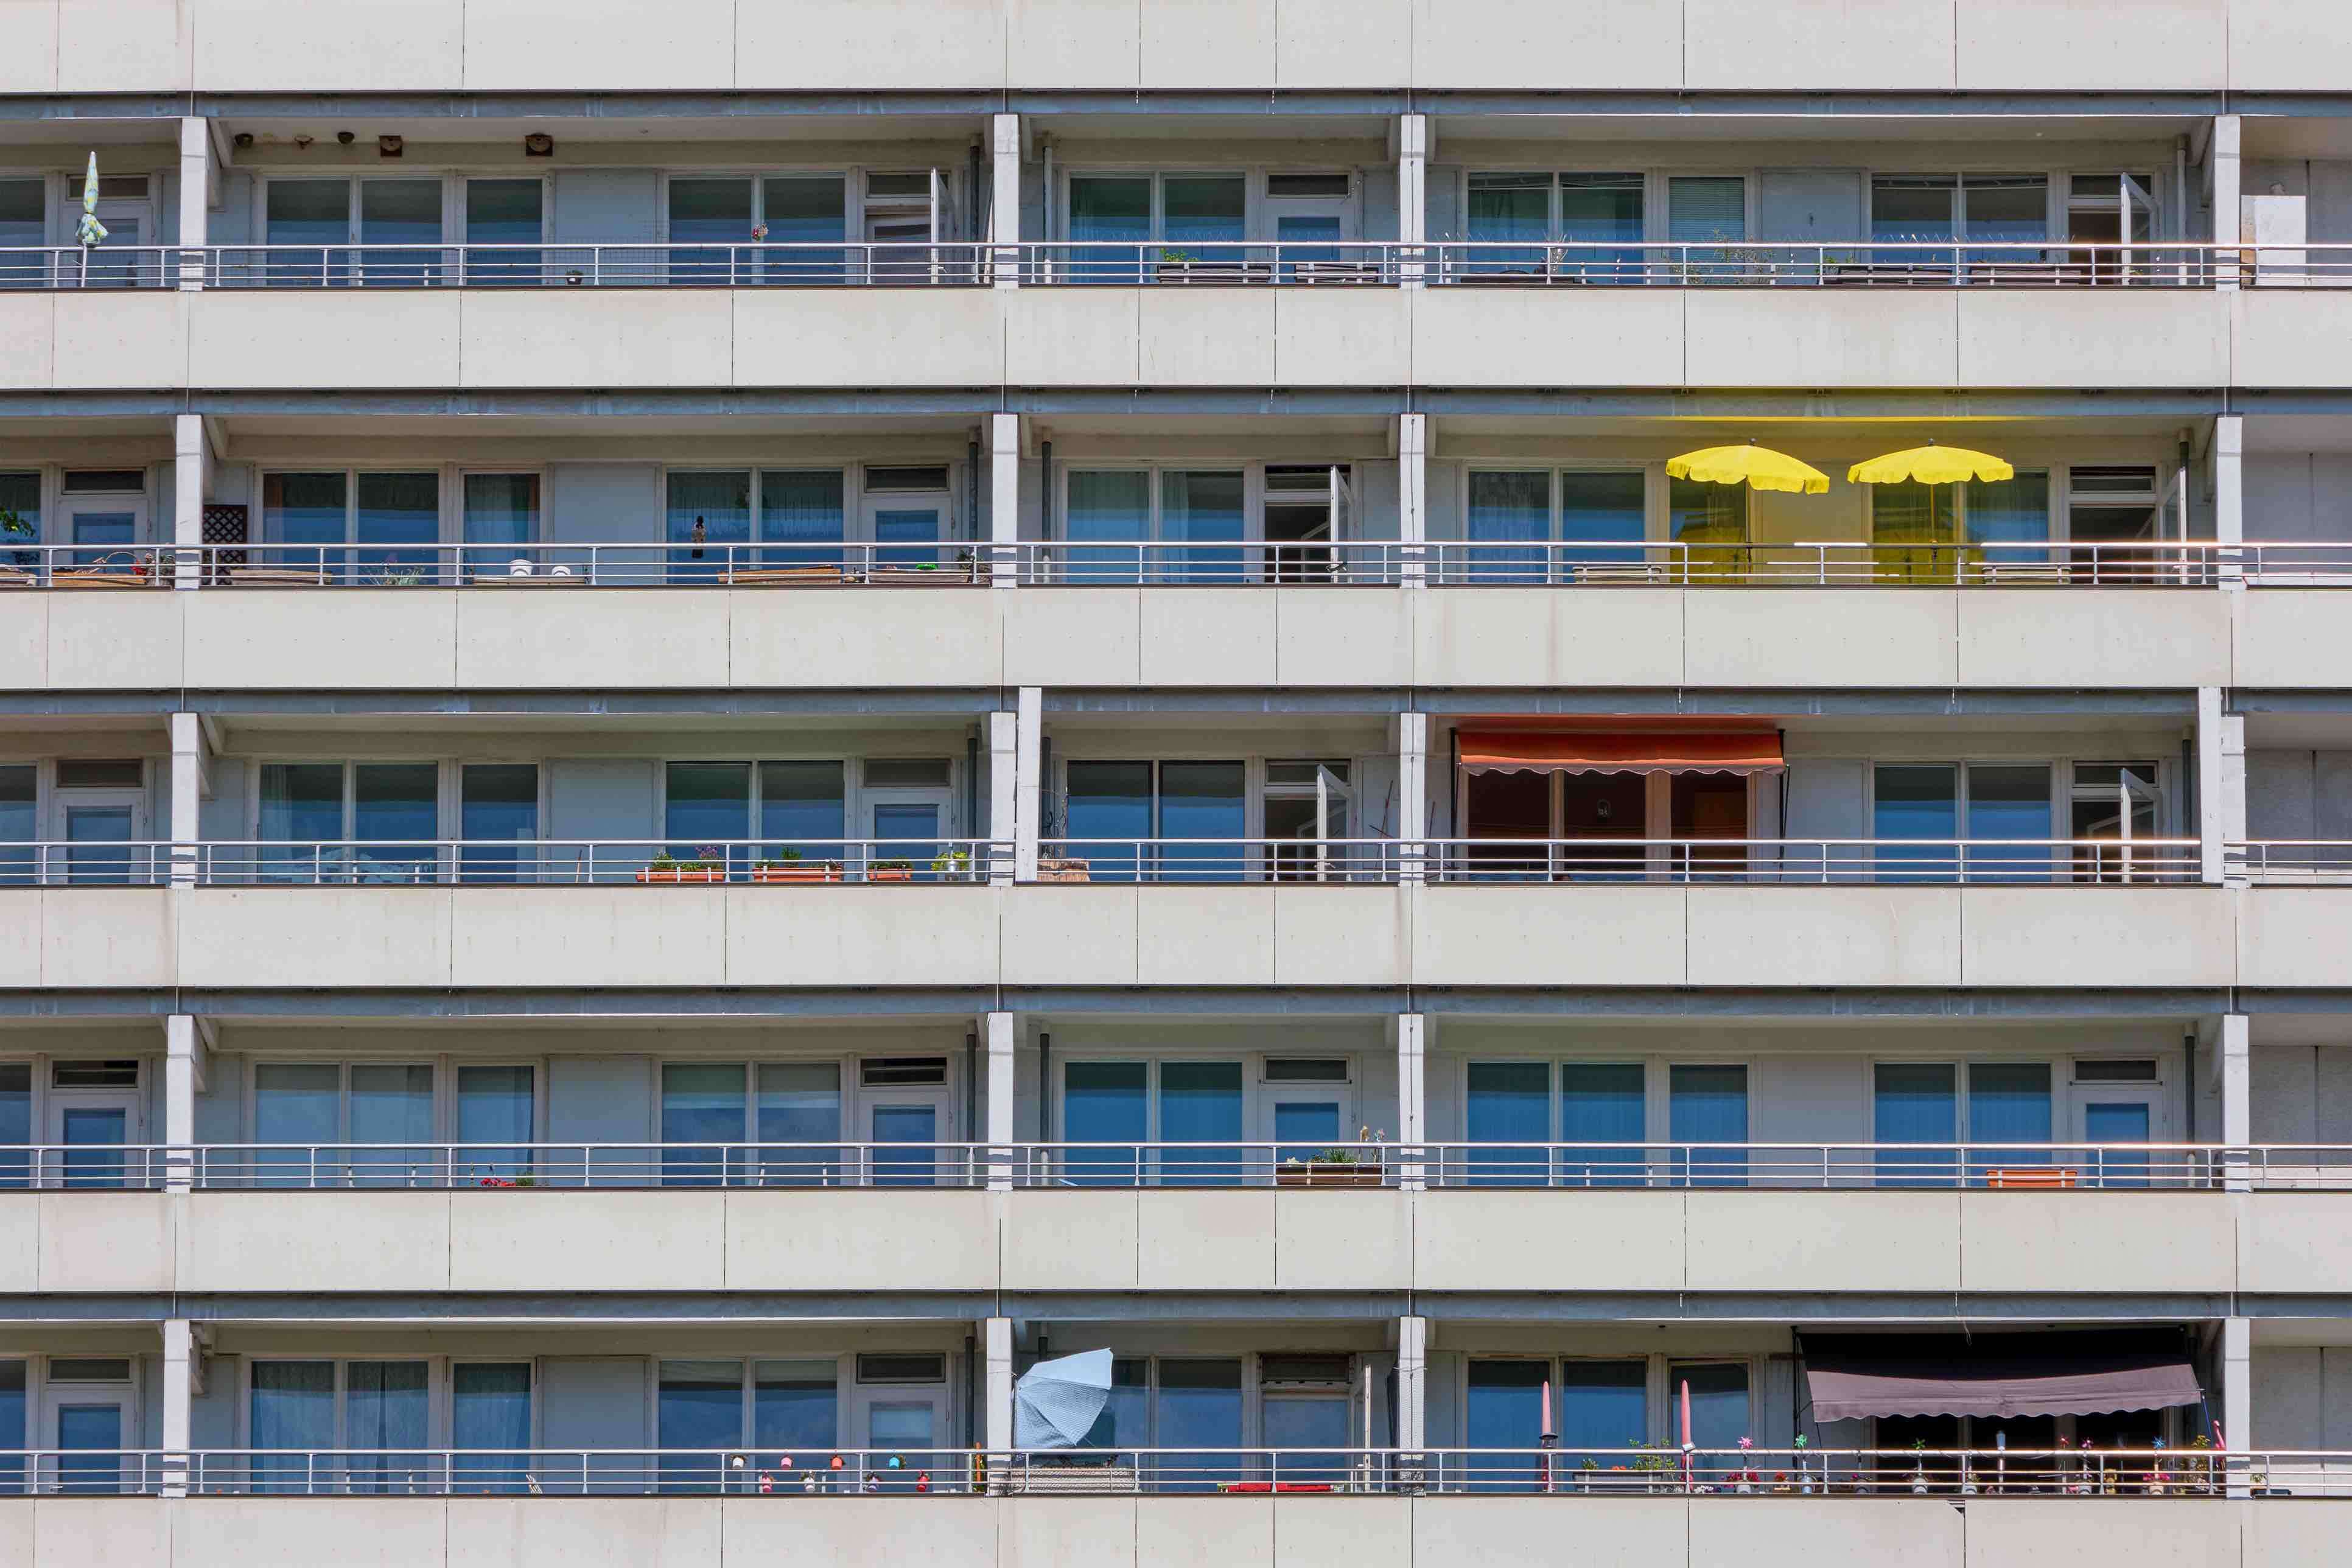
726, 720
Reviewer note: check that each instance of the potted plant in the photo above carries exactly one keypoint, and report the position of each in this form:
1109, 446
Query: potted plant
890, 871
786, 866
1051, 869
1339, 1167
953, 865
1653, 1463
15, 528
706, 866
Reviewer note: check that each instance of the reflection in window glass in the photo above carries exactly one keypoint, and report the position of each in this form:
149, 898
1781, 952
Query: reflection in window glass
1198, 1406
1718, 1401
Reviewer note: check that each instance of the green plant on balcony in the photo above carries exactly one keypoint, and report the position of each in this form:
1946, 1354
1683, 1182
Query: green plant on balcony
952, 863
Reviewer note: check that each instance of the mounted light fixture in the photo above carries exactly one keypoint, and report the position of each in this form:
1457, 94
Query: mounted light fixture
538, 144
242, 139
345, 138
390, 146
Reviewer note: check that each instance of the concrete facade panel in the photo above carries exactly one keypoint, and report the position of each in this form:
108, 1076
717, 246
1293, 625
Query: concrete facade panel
28, 340
1072, 935
585, 1532
122, 338
106, 1243
2293, 1242
1805, 1242
600, 336
603, 44
1525, 1533
578, 638
1882, 45
867, 337
1073, 337
1342, 637
869, 44
2096, 936
1527, 44
552, 1239
1342, 1239
1890, 1533
2024, 44
1465, 336
403, 639
1191, 934
1048, 632
269, 337
1545, 936
593, 935
293, 1240
2111, 337
1796, 636
108, 641
1812, 337
304, 1531
1824, 936
942, 636
2290, 637
107, 937
943, 1532
1207, 636
2118, 637
1072, 42
2097, 1241
328, 936
1336, 935
1206, 336
876, 1239
876, 934
1065, 1240
1205, 1240
1342, 337
1470, 1239
247, 46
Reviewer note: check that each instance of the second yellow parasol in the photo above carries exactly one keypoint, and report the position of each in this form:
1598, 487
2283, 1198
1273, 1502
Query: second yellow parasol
1758, 468
1930, 465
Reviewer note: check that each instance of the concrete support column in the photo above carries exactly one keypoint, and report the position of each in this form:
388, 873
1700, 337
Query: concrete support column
185, 1063
1412, 194
996, 1387
2230, 498
1413, 1384
1004, 196
2238, 1401
1029, 768
2233, 1063
1412, 497
1413, 1100
2227, 222
199, 189
1003, 499
192, 784
191, 463
1003, 796
2221, 785
997, 1032
183, 1375
1412, 799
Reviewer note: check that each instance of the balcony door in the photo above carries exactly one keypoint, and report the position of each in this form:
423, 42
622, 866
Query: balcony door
101, 827
93, 1127
899, 1411
87, 1411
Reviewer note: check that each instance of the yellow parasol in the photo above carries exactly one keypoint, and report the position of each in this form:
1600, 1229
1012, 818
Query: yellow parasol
1930, 465
1758, 468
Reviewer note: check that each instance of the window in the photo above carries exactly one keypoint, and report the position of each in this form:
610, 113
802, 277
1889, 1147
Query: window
311, 1406
1175, 1102
374, 1123
1923, 801
24, 228
313, 514
714, 1109
1707, 209
1939, 208
1197, 1406
501, 213
797, 515
1194, 520
501, 510
2111, 505
1597, 215
2096, 1070
20, 502
1509, 1102
372, 211
489, 1411
903, 1072
719, 218
497, 805
12, 1433
1601, 1107
1713, 520
1718, 1402
1197, 220
365, 821
707, 1411
1597, 508
801, 809
1504, 1410
1115, 811
2118, 801
1708, 1105
19, 822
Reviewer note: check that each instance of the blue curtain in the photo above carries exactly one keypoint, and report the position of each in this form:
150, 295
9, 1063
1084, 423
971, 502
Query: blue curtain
1113, 505
1915, 801
795, 1415
699, 1406
707, 807
293, 1408
1202, 800
384, 1408
1709, 1105
1505, 508
391, 1120
1720, 1415
298, 1107
496, 1114
489, 1424
2009, 1101
395, 509
2014, 512
1199, 1407
1603, 1103
1108, 817
1105, 1102
1604, 1407
707, 513
801, 517
799, 1103
1504, 1410
1917, 1102
702, 1103
1196, 507
1200, 1102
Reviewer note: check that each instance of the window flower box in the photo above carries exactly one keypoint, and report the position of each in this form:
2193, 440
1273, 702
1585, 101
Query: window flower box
796, 874
677, 874
1327, 1174
1054, 870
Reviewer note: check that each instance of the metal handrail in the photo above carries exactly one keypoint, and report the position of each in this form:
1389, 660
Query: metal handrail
1122, 562
2023, 862
603, 861
1237, 263
1630, 1471
426, 1165
2289, 862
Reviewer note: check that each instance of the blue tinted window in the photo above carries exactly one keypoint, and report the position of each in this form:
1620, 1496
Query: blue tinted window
1603, 1405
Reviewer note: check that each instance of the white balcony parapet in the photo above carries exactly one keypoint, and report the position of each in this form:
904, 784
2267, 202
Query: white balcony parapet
1850, 264
2149, 1473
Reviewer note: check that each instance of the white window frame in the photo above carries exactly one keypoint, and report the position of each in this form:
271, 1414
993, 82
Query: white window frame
1659, 1392
444, 783
443, 1066
852, 786
351, 474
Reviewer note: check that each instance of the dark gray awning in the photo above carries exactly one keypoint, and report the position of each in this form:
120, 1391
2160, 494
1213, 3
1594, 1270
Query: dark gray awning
1856, 1375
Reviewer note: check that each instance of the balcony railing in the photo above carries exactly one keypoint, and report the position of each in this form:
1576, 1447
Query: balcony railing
1247, 263
509, 862
2022, 862
1081, 1166
2291, 862
1630, 1471
1085, 563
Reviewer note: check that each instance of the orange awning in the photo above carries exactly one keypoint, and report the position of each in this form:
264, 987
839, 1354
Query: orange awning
1656, 752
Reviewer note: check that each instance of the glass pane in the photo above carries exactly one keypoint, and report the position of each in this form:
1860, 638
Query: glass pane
302, 808
1202, 800
403, 213
1607, 507
395, 813
94, 1139
802, 815
799, 1102
1303, 1128
1911, 208
1504, 1410
1104, 1102
1126, 1418
95, 1430
1203, 210
496, 1113
1108, 801
1699, 513
20, 499
2010, 512
1718, 1405
1706, 209
798, 508
1604, 1409
293, 1408
1200, 1105
296, 1110
708, 805
1109, 207
1195, 506
1510, 1102
1293, 1422
1198, 1406
19, 822
16, 1135
100, 837
12, 1425
305, 510
908, 1124
907, 525
1603, 1104
503, 212
2010, 801
501, 508
702, 1104
1915, 801
392, 1124
2009, 1101
905, 837
1115, 506
699, 1406
497, 805
309, 212
1917, 1102
1508, 507
398, 509
1511, 213
24, 230
2010, 208
706, 512
806, 209
489, 1411
710, 230
795, 1415
1601, 214
384, 1409
1709, 1105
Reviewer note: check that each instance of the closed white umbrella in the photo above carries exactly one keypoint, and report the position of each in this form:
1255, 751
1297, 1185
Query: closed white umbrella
1055, 1402
90, 232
